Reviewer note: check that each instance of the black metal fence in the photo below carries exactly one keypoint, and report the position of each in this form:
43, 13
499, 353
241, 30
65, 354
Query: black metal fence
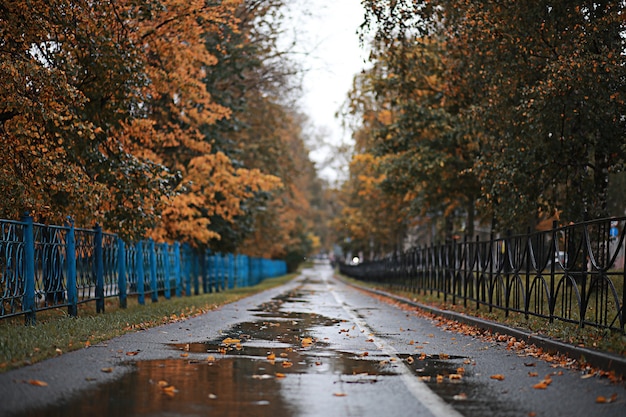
573, 273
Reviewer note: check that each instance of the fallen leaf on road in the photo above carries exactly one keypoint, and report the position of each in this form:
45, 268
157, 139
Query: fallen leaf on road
410, 360
37, 383
170, 390
271, 356
533, 374
279, 375
210, 358
287, 364
460, 397
498, 377
230, 341
455, 377
339, 394
107, 370
603, 400
307, 341
184, 355
132, 353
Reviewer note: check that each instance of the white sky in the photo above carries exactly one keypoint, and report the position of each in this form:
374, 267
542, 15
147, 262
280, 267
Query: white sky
329, 34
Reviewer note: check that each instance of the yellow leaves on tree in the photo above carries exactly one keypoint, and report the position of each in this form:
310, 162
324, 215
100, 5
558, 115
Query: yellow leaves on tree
211, 186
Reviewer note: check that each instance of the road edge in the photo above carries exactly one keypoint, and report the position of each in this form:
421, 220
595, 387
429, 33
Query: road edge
597, 359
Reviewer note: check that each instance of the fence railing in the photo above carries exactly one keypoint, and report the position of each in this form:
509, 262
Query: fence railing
44, 267
573, 273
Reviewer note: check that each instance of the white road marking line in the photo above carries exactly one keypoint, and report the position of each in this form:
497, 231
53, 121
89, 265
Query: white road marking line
435, 404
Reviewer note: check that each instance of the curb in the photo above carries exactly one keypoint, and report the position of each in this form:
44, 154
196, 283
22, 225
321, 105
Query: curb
597, 359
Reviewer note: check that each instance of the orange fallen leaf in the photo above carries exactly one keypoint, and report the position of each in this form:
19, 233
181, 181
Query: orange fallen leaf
230, 341
280, 375
37, 383
170, 390
162, 383
533, 374
339, 394
439, 378
184, 355
271, 356
603, 400
498, 377
540, 385
287, 364
455, 377
307, 341
132, 353
210, 358
107, 370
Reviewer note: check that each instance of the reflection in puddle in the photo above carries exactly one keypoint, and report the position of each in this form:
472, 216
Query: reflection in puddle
250, 366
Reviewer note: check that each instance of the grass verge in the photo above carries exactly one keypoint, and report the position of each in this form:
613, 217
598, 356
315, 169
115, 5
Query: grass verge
56, 332
594, 338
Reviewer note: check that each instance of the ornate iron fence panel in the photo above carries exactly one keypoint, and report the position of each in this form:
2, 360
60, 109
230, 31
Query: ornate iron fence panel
11, 264
43, 267
573, 273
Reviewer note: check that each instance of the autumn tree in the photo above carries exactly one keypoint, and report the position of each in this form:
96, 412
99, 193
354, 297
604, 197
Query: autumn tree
529, 104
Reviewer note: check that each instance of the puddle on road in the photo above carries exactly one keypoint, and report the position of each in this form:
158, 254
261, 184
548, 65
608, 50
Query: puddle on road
253, 364
247, 366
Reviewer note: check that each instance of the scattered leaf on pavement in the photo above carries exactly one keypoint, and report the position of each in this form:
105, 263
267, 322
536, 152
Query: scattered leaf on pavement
37, 383
498, 377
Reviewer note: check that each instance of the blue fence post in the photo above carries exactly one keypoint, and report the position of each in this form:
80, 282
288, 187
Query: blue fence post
153, 271
29, 270
70, 259
141, 292
188, 269
121, 272
196, 271
231, 271
99, 260
205, 273
177, 271
166, 272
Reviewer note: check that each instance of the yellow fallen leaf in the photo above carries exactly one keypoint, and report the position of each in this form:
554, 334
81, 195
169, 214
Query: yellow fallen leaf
107, 370
307, 341
498, 377
460, 397
210, 358
37, 383
271, 356
230, 341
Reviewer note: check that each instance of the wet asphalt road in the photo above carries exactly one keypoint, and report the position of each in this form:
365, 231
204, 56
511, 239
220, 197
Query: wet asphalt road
314, 347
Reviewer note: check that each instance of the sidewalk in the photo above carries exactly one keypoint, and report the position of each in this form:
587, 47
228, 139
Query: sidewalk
605, 361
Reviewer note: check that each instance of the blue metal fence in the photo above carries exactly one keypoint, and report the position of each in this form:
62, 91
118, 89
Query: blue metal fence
43, 267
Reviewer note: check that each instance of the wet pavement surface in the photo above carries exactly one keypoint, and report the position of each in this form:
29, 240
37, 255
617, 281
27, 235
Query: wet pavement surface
314, 347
